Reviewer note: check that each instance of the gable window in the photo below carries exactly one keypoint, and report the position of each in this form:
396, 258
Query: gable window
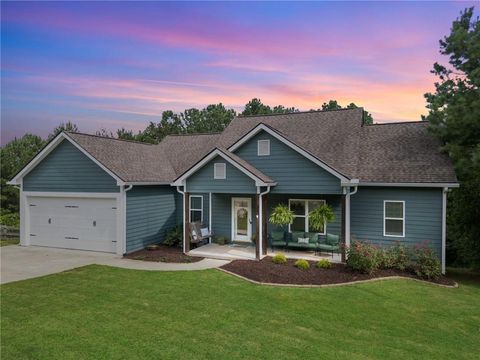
196, 208
263, 147
219, 171
301, 208
394, 218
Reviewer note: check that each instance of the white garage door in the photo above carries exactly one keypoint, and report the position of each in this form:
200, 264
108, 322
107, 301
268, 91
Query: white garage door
73, 223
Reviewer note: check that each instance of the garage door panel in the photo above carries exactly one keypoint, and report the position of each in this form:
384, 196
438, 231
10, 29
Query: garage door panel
88, 223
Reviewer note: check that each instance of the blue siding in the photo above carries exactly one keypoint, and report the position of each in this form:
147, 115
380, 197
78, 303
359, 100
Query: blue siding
151, 212
334, 201
67, 169
423, 215
222, 214
293, 173
235, 182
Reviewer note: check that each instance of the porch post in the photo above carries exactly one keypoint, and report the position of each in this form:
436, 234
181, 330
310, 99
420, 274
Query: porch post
186, 212
344, 213
257, 223
264, 224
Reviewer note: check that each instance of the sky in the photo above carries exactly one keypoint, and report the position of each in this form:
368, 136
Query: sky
121, 64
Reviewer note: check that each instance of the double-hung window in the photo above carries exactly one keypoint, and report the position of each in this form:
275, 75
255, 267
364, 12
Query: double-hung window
196, 208
394, 218
301, 208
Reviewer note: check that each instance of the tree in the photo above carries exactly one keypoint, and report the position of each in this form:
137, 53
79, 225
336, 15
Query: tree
454, 117
13, 156
213, 118
256, 107
68, 126
334, 105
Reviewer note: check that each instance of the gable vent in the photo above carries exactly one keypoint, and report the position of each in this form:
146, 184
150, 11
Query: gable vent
263, 147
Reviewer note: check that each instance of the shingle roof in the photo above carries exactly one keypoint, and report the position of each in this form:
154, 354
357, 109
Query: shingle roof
397, 152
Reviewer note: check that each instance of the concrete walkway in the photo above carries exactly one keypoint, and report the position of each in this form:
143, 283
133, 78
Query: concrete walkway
20, 263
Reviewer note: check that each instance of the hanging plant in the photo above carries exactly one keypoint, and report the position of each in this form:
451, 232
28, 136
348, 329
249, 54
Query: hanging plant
281, 216
318, 218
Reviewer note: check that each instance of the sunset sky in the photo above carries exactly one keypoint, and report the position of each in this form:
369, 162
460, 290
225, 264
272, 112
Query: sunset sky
120, 64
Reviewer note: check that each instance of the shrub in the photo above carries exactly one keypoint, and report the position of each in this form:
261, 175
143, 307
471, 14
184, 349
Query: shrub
427, 264
10, 219
174, 236
399, 255
220, 240
363, 257
280, 258
324, 264
302, 264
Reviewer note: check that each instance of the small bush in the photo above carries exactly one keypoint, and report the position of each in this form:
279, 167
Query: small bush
174, 236
400, 256
280, 258
220, 240
324, 264
11, 219
427, 264
302, 264
363, 257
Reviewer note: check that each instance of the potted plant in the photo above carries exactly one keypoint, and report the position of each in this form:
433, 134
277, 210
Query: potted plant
320, 216
281, 216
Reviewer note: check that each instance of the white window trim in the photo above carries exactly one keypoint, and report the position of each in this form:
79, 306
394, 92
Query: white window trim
215, 171
192, 209
259, 142
307, 211
385, 218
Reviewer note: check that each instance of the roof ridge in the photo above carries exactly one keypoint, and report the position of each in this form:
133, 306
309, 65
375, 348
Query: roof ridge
298, 112
400, 122
195, 134
108, 138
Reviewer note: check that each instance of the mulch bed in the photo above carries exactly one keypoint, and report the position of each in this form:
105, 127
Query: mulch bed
268, 272
169, 254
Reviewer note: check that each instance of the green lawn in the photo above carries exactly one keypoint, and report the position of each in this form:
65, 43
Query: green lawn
97, 312
9, 241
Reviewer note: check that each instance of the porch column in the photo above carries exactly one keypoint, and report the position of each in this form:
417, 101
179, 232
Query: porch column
264, 224
257, 223
186, 213
344, 213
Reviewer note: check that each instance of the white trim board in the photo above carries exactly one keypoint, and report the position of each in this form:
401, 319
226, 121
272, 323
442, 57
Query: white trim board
48, 149
216, 152
315, 160
423, 185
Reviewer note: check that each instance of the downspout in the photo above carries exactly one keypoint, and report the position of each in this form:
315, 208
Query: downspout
183, 215
347, 215
445, 190
124, 216
260, 210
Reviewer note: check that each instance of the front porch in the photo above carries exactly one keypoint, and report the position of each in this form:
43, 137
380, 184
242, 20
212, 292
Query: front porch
247, 252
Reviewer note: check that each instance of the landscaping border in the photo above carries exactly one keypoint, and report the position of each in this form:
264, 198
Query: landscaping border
338, 284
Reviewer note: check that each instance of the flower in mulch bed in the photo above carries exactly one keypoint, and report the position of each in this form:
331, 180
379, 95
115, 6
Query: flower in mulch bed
302, 264
324, 264
280, 258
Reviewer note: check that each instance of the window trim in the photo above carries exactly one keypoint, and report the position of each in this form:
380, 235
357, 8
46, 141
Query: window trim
267, 141
307, 225
196, 209
215, 171
385, 218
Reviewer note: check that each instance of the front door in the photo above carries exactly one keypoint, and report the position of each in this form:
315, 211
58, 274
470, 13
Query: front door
241, 219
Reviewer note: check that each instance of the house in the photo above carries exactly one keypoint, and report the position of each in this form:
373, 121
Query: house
385, 183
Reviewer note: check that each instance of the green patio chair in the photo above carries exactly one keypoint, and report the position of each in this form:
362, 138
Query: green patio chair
331, 243
277, 239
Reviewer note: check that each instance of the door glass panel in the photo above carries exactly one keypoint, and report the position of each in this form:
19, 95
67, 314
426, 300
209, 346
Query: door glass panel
242, 221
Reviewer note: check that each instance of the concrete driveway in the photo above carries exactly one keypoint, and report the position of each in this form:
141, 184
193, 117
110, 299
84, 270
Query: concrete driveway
26, 262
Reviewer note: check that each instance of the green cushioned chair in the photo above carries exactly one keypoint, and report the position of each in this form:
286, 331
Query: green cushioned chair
330, 244
277, 239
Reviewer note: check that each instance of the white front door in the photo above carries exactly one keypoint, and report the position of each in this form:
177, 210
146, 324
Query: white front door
241, 219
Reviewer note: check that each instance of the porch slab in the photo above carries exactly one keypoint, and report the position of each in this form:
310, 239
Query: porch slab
247, 252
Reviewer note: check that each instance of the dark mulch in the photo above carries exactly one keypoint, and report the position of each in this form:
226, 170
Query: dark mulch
163, 254
268, 272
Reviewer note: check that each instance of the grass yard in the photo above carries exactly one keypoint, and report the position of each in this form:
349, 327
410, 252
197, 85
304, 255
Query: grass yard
97, 312
9, 241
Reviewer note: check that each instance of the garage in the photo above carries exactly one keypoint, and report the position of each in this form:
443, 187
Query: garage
72, 222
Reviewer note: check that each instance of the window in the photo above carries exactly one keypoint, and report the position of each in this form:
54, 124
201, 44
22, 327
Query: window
394, 218
263, 147
301, 208
220, 171
196, 208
